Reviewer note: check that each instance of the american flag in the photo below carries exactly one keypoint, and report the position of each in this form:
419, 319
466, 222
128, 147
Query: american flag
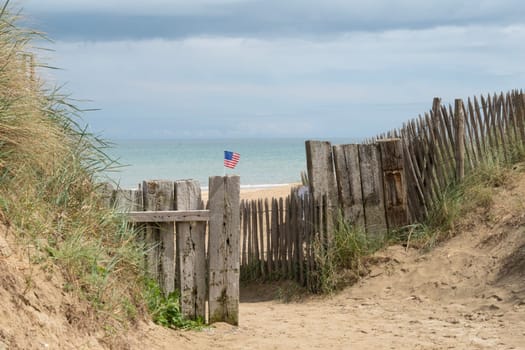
231, 159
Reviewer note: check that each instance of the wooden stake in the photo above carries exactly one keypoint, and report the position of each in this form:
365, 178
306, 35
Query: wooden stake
223, 249
460, 137
191, 257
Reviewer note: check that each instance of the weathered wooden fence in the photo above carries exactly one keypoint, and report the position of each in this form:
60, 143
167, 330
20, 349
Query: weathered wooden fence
173, 221
397, 177
449, 141
364, 184
280, 238
381, 185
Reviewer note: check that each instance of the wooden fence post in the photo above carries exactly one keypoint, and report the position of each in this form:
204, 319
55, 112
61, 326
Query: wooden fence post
520, 104
128, 200
372, 185
160, 237
223, 249
395, 191
348, 176
320, 165
460, 137
191, 252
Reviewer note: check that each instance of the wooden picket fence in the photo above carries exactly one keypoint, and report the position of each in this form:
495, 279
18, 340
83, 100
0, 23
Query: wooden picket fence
449, 141
280, 238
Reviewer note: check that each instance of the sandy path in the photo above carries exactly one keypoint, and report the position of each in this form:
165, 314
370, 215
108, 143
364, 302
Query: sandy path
466, 294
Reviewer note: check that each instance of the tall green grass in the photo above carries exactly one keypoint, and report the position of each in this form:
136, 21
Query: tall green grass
341, 262
461, 199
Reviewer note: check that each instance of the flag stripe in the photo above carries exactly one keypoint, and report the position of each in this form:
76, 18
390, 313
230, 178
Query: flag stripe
231, 159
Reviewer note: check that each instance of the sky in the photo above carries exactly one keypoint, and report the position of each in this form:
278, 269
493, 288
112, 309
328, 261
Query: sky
174, 69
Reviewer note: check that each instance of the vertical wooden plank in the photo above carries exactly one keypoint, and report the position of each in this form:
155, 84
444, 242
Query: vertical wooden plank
245, 220
428, 162
511, 110
475, 131
442, 132
348, 177
128, 200
520, 115
301, 220
372, 185
249, 238
320, 166
294, 233
460, 137
282, 237
435, 145
323, 222
255, 240
289, 229
505, 121
275, 234
191, 262
269, 258
316, 237
395, 193
260, 211
159, 195
307, 225
470, 149
223, 249
519, 102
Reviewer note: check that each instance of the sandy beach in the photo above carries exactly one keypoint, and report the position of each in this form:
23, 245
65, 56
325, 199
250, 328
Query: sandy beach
276, 191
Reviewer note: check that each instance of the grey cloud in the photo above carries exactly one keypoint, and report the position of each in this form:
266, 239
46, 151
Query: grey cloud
266, 18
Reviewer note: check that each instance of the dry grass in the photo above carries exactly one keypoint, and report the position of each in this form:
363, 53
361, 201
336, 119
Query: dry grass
48, 164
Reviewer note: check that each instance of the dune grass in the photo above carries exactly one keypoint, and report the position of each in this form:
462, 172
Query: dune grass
48, 193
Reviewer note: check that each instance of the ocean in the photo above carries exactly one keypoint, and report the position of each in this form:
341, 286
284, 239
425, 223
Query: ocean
263, 163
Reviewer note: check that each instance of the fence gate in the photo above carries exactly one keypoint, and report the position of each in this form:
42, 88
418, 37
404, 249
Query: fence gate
174, 221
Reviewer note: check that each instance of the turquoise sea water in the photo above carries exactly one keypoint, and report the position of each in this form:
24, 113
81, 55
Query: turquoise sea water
264, 162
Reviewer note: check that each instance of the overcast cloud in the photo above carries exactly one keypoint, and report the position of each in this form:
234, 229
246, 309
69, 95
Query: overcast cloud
228, 68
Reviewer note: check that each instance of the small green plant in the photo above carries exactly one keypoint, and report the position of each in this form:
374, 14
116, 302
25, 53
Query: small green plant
165, 310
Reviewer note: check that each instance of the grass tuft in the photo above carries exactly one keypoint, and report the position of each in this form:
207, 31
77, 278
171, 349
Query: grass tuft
341, 263
458, 201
